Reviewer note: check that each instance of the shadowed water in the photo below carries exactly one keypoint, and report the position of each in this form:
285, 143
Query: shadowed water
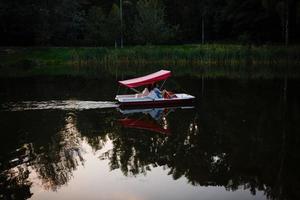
239, 141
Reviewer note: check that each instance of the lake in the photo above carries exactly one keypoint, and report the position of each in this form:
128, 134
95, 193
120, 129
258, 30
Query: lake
63, 137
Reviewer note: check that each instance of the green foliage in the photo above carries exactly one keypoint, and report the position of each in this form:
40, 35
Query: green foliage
103, 29
96, 26
113, 24
150, 25
90, 22
298, 12
61, 21
244, 38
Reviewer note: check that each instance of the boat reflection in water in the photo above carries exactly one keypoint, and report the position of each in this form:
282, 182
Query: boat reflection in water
152, 119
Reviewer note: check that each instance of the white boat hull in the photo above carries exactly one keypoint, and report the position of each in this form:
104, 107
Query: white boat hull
142, 101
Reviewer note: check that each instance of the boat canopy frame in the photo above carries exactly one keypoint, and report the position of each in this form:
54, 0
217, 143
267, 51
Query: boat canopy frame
146, 80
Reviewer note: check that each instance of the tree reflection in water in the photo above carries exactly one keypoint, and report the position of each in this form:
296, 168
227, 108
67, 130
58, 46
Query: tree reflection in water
14, 183
64, 154
135, 151
197, 148
210, 158
53, 162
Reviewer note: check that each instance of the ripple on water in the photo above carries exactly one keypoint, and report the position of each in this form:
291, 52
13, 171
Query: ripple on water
57, 105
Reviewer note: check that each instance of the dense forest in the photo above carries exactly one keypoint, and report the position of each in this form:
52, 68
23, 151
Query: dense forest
106, 23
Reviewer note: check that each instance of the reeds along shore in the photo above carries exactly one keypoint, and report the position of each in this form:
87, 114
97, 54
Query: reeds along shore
195, 55
64, 60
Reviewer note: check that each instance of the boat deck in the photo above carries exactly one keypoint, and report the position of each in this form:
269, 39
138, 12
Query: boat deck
140, 100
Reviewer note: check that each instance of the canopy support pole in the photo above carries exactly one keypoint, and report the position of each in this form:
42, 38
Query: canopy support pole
135, 90
118, 90
162, 84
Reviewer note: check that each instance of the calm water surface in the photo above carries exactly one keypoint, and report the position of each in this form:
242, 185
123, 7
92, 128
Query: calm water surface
65, 138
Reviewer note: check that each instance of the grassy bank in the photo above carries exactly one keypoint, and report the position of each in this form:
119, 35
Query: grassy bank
55, 60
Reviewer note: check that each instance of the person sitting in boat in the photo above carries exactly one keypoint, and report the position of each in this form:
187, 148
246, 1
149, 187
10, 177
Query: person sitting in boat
145, 92
157, 93
154, 92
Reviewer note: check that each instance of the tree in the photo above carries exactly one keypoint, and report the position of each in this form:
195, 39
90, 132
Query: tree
103, 29
113, 24
282, 7
68, 22
150, 26
204, 8
96, 26
97, 22
43, 30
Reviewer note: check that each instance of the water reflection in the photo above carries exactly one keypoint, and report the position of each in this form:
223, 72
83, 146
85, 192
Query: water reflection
157, 123
14, 183
232, 139
134, 152
55, 165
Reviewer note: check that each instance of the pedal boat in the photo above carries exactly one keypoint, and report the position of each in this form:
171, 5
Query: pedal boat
143, 100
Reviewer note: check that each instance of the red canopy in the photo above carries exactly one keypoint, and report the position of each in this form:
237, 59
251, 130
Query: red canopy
146, 80
143, 124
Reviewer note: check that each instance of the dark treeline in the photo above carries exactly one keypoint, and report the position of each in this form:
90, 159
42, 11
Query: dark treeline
98, 22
